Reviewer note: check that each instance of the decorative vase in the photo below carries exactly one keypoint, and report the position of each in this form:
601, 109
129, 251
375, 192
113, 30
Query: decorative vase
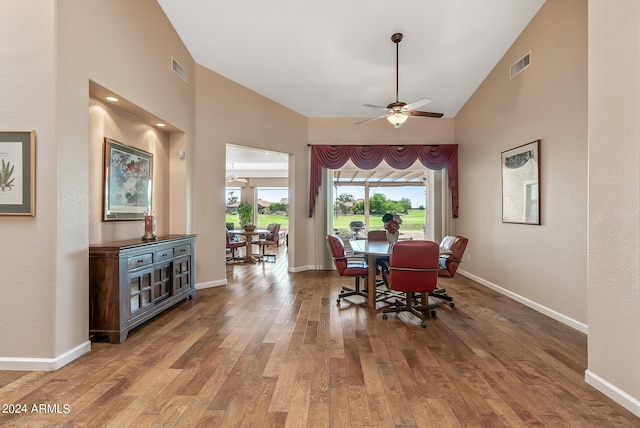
392, 237
149, 227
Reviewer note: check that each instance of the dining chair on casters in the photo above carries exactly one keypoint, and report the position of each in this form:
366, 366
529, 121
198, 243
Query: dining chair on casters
449, 263
351, 266
412, 268
233, 246
377, 235
271, 238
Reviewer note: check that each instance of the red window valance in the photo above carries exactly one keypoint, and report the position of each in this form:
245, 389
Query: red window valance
399, 157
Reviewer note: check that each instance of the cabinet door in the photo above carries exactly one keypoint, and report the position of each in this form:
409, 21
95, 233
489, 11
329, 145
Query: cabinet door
140, 291
162, 274
182, 274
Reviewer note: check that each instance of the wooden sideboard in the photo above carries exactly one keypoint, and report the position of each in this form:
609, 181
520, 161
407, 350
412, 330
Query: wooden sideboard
132, 281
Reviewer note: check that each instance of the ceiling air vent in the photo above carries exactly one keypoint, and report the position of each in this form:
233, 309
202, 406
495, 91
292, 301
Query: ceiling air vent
520, 65
179, 70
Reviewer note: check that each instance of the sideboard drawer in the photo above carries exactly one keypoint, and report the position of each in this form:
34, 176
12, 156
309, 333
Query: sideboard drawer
165, 254
139, 261
182, 250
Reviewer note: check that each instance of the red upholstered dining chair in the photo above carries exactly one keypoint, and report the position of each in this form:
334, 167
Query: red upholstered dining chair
449, 263
271, 238
233, 246
352, 266
412, 268
455, 246
377, 235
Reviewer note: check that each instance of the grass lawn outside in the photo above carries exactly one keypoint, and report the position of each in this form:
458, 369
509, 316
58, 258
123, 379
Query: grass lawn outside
412, 224
413, 221
263, 220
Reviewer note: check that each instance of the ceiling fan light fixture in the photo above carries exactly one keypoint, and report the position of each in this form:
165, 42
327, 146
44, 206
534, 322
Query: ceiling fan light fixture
397, 119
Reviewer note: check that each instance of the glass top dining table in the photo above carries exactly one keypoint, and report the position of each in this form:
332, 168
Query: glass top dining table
373, 250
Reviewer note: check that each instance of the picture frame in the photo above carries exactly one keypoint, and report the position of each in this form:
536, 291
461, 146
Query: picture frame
128, 182
18, 173
521, 184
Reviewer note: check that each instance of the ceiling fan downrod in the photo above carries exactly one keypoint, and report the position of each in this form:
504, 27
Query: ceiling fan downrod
397, 38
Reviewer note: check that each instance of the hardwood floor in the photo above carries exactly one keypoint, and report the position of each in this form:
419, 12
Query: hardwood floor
272, 349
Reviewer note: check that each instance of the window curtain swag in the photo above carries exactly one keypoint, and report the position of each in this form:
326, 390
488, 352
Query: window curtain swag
369, 157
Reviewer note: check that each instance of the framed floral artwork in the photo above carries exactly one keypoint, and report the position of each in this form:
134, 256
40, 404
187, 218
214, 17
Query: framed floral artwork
128, 180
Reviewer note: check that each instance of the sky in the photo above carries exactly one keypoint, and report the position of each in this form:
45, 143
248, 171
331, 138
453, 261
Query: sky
413, 193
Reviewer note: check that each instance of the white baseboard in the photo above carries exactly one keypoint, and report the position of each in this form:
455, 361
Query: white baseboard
611, 391
211, 284
305, 268
581, 327
44, 364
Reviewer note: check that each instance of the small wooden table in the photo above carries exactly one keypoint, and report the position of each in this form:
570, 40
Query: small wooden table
373, 250
250, 256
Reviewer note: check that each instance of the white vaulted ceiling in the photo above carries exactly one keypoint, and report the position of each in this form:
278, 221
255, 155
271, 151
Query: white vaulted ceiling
327, 58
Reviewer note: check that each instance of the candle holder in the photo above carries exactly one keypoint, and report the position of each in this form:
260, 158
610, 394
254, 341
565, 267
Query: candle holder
149, 228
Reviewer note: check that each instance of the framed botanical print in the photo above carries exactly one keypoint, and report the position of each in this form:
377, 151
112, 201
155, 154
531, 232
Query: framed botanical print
17, 173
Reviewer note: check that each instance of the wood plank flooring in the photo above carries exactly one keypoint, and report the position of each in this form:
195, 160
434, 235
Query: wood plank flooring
272, 349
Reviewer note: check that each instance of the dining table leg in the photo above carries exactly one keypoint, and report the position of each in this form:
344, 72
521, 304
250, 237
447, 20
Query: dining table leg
371, 281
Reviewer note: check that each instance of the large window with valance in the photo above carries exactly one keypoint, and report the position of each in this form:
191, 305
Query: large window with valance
397, 156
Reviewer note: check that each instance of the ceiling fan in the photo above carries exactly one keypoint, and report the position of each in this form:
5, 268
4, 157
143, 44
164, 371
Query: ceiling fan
398, 112
234, 177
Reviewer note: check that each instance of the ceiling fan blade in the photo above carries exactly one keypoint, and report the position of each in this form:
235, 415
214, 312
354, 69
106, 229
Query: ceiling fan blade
374, 106
371, 118
424, 114
418, 103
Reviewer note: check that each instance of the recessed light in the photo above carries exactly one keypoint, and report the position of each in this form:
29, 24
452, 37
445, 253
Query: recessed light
113, 99
160, 125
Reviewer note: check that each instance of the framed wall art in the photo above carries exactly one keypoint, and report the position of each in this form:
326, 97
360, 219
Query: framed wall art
521, 184
128, 179
17, 173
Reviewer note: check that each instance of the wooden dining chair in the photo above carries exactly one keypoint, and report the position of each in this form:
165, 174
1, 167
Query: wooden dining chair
412, 268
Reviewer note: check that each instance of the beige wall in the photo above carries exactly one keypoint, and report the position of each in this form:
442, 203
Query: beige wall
228, 113
543, 266
28, 249
50, 52
614, 200
415, 131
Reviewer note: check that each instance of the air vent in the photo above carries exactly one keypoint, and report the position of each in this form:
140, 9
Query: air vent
520, 65
179, 70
